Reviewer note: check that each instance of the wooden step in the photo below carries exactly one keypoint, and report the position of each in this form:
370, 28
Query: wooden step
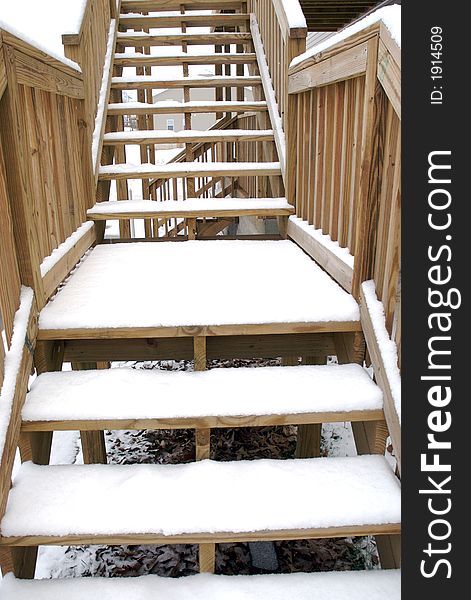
175, 107
72, 504
191, 208
186, 169
99, 300
147, 137
141, 82
237, 397
144, 60
134, 21
163, 5
138, 40
338, 585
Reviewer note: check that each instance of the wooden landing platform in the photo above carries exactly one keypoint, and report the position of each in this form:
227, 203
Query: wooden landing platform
200, 288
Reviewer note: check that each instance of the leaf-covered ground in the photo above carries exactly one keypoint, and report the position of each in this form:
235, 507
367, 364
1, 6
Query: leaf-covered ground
176, 446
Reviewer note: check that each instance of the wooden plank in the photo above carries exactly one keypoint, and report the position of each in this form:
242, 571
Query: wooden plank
219, 212
153, 60
10, 285
212, 330
382, 380
157, 22
155, 83
207, 422
223, 347
389, 75
164, 5
100, 119
53, 278
188, 170
14, 137
207, 558
188, 136
209, 107
176, 39
269, 95
336, 267
14, 424
204, 538
23, 47
34, 73
3, 73
350, 63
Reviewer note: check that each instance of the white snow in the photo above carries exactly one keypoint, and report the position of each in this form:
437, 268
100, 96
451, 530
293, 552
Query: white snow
175, 104
389, 15
193, 205
101, 108
81, 500
50, 261
42, 23
105, 394
13, 361
120, 285
387, 346
158, 134
294, 13
179, 169
354, 585
325, 240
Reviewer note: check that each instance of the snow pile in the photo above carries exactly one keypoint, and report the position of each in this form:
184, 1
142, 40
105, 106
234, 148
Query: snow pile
100, 115
277, 283
192, 205
75, 395
13, 361
387, 347
390, 16
42, 23
50, 261
81, 499
354, 585
294, 13
325, 240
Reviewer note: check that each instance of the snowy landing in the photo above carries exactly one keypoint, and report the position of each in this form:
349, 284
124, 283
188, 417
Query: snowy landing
238, 286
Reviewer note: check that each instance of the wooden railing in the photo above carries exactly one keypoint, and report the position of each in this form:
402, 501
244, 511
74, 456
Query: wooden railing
343, 172
283, 39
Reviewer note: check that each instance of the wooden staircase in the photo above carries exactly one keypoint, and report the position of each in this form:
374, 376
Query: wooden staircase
291, 309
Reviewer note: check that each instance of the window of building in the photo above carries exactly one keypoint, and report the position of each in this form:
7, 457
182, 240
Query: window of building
171, 124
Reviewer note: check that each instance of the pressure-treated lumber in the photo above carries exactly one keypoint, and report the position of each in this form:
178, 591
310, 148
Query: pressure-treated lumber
68, 401
173, 170
191, 208
139, 40
189, 136
153, 60
135, 21
66, 510
164, 5
150, 82
161, 108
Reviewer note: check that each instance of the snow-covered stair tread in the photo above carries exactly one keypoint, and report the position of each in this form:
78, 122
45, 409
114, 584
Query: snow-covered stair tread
174, 106
117, 285
105, 394
148, 81
342, 585
188, 169
193, 207
342, 496
190, 135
